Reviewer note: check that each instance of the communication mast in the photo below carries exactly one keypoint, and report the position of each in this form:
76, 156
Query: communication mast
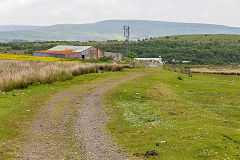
126, 35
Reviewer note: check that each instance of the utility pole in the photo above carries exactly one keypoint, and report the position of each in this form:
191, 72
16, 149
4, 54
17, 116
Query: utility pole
126, 35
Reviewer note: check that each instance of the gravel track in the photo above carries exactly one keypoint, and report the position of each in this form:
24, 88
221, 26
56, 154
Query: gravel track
71, 126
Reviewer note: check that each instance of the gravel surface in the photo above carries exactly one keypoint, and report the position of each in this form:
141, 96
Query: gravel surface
48, 136
71, 126
90, 127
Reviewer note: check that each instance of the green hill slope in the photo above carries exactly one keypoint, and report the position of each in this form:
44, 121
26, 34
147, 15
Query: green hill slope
6, 28
112, 29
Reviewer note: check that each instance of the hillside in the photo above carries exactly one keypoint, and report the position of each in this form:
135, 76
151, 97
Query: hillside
7, 28
112, 30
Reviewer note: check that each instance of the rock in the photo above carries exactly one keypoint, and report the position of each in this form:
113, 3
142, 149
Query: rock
150, 120
151, 153
136, 154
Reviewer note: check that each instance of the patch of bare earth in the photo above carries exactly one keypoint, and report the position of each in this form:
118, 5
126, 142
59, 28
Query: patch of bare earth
71, 126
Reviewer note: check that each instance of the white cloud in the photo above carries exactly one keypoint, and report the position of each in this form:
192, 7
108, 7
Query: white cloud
48, 12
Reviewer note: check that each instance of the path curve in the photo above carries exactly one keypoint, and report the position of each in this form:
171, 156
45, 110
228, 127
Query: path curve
65, 129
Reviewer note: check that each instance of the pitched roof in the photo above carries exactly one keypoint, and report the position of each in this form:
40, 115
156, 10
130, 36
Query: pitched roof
64, 49
57, 52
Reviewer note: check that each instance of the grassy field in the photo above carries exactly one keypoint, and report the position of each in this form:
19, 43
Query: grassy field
188, 69
194, 118
9, 50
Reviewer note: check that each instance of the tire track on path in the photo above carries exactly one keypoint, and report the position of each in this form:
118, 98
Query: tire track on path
71, 126
90, 126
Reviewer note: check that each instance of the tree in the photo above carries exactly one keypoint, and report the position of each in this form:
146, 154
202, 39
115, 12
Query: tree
132, 55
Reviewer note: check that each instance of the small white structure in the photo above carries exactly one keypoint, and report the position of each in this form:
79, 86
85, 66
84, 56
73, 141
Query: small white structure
158, 60
186, 61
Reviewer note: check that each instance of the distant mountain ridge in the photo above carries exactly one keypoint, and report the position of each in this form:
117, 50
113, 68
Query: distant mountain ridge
7, 28
112, 30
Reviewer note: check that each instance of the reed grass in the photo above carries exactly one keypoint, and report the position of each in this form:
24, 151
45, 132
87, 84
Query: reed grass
216, 71
15, 74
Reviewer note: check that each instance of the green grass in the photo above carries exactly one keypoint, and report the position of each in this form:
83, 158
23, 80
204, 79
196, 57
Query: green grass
9, 50
18, 107
198, 117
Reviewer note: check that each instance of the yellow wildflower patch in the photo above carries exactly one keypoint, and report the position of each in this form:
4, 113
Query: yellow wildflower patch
44, 59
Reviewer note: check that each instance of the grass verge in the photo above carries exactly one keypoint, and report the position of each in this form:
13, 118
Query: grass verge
192, 118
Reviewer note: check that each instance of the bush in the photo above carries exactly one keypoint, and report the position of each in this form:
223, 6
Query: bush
132, 55
180, 78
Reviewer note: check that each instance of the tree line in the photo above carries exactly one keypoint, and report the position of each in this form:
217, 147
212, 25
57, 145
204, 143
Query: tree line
203, 53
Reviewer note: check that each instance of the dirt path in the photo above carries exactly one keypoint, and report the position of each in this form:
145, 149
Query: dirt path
71, 126
48, 134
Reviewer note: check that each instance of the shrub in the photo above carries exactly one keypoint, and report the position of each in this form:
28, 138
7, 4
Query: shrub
180, 78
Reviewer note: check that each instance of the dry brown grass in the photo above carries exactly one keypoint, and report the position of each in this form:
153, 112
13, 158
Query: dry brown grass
16, 74
216, 71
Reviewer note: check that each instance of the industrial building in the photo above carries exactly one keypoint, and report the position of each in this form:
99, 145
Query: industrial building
76, 52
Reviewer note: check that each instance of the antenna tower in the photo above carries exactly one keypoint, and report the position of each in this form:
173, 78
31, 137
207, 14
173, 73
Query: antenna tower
126, 35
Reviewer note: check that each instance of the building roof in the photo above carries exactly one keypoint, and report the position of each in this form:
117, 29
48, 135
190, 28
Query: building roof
57, 52
64, 49
74, 48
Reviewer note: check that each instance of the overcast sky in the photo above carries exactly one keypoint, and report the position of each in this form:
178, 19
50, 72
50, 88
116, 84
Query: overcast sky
49, 12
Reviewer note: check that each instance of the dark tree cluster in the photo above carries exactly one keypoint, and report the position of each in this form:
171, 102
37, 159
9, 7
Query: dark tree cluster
210, 53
